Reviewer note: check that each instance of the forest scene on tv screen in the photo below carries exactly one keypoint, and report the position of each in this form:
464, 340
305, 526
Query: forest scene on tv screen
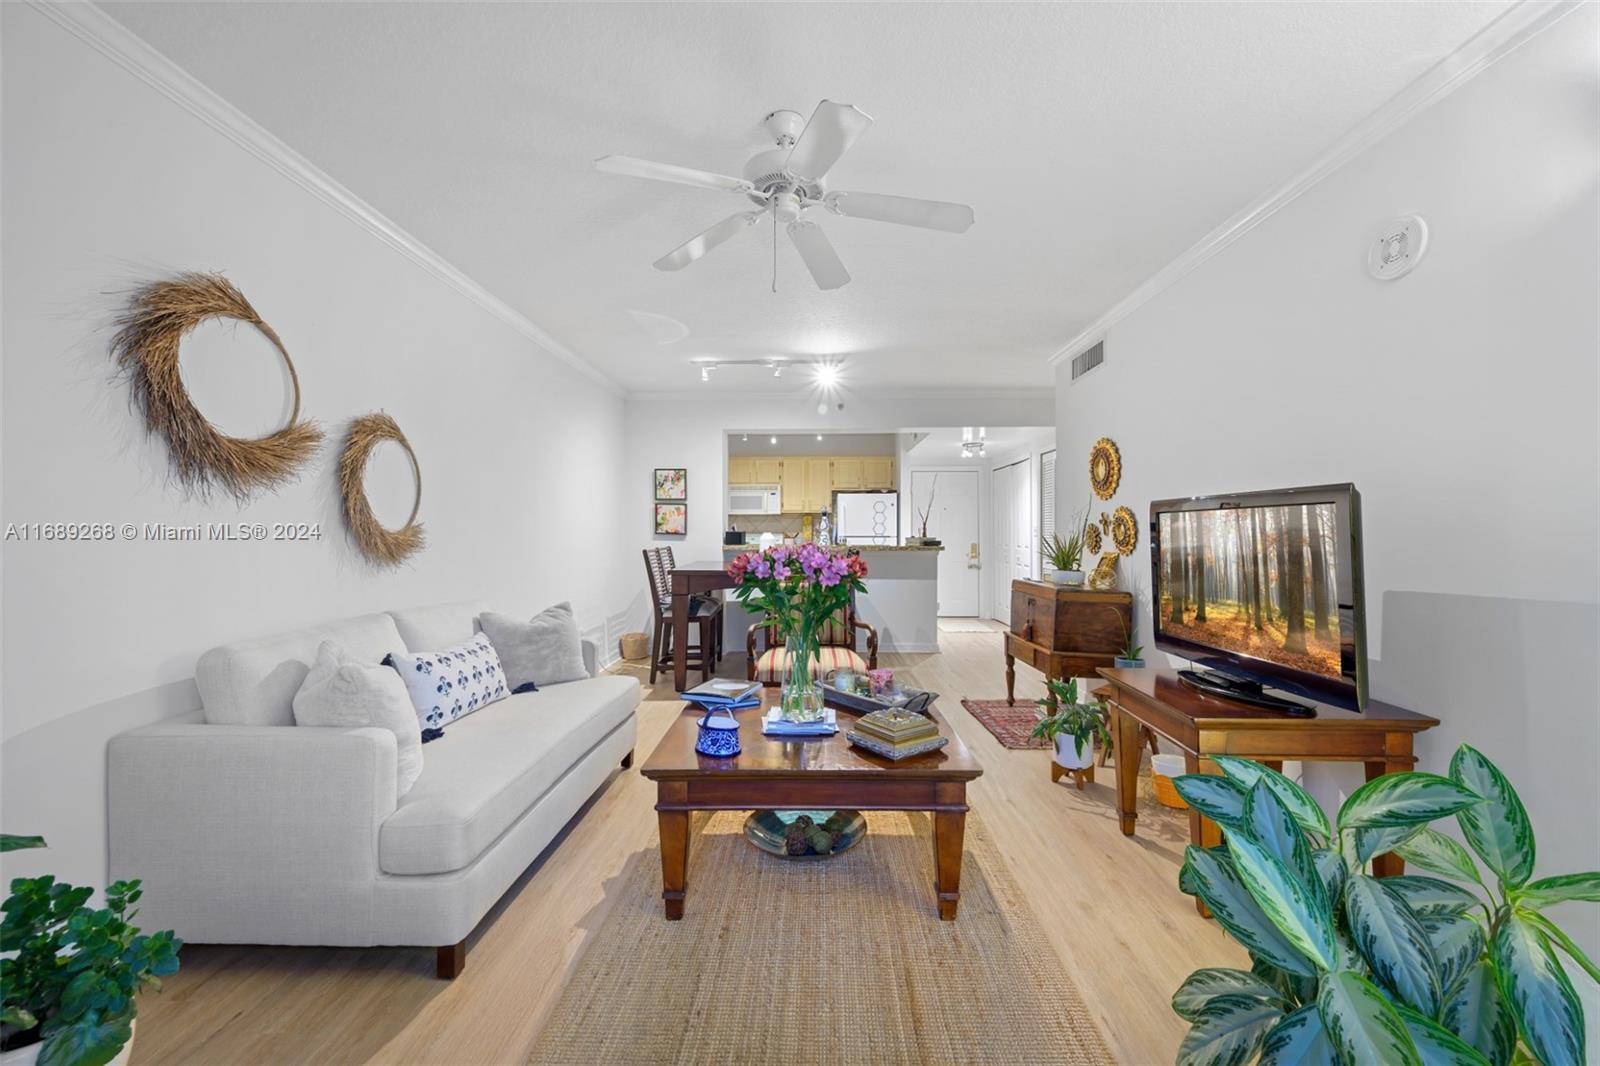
1261, 581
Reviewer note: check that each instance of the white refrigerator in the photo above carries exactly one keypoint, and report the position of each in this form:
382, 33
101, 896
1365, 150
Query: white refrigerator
866, 517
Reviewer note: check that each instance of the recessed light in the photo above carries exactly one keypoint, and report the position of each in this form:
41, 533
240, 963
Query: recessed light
827, 375
772, 440
819, 436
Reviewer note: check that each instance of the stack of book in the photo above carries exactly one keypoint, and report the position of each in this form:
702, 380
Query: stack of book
896, 734
720, 695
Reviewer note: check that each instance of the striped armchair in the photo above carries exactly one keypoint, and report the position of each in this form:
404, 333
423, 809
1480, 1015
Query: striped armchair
837, 648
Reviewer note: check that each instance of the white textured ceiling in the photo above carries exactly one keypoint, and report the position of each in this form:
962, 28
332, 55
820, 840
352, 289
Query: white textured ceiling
1094, 141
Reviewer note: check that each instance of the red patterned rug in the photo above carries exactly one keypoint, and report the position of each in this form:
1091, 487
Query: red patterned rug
1010, 725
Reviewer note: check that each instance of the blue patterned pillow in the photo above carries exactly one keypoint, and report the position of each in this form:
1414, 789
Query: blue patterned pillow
451, 684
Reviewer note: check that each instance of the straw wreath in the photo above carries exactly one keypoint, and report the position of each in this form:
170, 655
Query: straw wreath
146, 349
382, 546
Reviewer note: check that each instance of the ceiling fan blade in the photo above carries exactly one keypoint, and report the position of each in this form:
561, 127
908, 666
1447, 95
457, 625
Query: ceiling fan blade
644, 168
701, 243
929, 214
832, 130
817, 251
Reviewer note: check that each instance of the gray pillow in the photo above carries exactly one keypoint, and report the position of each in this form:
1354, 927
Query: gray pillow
345, 692
545, 650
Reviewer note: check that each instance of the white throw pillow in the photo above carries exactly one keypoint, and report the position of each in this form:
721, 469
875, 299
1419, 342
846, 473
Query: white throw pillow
545, 650
451, 684
345, 692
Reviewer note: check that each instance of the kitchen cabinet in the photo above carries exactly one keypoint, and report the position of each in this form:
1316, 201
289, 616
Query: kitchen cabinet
793, 484
819, 484
809, 482
748, 470
848, 474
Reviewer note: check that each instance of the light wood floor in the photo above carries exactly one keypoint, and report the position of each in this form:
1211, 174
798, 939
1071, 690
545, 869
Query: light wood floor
1110, 905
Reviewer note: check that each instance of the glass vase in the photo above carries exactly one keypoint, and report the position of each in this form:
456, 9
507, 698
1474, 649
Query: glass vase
801, 699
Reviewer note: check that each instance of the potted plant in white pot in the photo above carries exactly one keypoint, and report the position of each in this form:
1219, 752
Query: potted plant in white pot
1063, 556
67, 995
1069, 725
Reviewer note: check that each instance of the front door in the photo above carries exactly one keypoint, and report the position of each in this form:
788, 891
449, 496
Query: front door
954, 520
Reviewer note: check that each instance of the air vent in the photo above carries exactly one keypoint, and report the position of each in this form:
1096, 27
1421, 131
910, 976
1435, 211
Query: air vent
1088, 359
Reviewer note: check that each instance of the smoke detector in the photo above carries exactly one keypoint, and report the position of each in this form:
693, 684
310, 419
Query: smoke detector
1398, 248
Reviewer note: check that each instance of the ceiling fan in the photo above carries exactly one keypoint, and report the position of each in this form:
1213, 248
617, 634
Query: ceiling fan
789, 180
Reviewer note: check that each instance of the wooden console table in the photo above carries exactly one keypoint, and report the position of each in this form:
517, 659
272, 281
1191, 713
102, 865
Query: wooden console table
1379, 738
1064, 632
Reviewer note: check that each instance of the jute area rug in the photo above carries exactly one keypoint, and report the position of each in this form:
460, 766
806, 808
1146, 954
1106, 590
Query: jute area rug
837, 961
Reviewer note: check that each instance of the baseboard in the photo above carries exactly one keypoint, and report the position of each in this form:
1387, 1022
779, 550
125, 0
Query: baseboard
906, 649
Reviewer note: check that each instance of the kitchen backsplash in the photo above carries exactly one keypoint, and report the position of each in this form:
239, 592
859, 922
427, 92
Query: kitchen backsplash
785, 525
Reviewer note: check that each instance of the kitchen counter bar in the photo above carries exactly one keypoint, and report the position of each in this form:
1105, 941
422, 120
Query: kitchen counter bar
901, 601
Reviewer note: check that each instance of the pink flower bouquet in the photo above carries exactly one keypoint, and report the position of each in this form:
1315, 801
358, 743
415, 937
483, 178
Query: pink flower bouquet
798, 588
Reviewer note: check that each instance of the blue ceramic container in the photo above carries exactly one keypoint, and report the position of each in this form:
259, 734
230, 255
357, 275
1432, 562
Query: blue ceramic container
719, 735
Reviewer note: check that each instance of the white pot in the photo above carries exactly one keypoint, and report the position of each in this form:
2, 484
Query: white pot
27, 1056
1067, 577
1069, 757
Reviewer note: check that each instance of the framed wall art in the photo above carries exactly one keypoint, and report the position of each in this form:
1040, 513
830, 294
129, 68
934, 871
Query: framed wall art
672, 483
672, 519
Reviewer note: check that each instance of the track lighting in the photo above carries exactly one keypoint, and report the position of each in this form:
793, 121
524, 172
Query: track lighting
705, 373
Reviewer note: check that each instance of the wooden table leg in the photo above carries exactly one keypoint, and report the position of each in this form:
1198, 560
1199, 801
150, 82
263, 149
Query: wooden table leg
1388, 864
680, 639
949, 834
674, 847
1011, 678
1203, 832
1130, 745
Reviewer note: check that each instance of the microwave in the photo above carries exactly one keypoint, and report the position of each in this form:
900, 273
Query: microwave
755, 499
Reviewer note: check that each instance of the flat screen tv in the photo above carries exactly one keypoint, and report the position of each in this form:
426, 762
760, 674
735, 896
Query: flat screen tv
1264, 590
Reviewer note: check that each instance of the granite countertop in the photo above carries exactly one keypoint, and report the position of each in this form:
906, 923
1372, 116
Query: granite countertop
737, 548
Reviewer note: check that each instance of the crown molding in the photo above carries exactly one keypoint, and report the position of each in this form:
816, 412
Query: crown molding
112, 39
1510, 31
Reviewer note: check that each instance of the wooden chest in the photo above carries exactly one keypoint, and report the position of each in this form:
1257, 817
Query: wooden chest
1067, 631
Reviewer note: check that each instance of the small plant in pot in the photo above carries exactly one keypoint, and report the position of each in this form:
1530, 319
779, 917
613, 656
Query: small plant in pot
1063, 556
1132, 654
1071, 726
67, 994
1447, 967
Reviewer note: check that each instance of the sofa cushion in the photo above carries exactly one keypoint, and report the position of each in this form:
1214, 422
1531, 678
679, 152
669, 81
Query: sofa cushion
545, 650
351, 693
253, 682
449, 684
487, 770
438, 626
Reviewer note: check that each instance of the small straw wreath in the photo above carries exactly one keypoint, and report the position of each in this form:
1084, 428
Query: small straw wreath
146, 349
382, 546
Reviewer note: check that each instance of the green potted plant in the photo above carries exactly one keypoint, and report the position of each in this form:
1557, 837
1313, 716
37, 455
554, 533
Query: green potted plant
67, 995
1132, 654
1063, 556
1346, 968
1069, 725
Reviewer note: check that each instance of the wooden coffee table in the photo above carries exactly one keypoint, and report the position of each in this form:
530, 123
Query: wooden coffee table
817, 773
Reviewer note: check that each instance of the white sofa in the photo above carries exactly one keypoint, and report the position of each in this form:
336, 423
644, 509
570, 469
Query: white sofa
248, 829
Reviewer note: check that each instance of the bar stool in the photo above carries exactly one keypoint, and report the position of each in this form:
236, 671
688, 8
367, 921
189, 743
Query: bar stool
703, 611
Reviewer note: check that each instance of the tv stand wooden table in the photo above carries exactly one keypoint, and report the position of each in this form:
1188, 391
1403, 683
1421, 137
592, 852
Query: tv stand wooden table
1202, 725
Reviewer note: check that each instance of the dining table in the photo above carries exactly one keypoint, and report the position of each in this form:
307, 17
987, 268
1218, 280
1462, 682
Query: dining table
687, 582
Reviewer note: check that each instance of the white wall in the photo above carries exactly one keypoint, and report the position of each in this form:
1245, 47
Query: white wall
106, 183
1461, 400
